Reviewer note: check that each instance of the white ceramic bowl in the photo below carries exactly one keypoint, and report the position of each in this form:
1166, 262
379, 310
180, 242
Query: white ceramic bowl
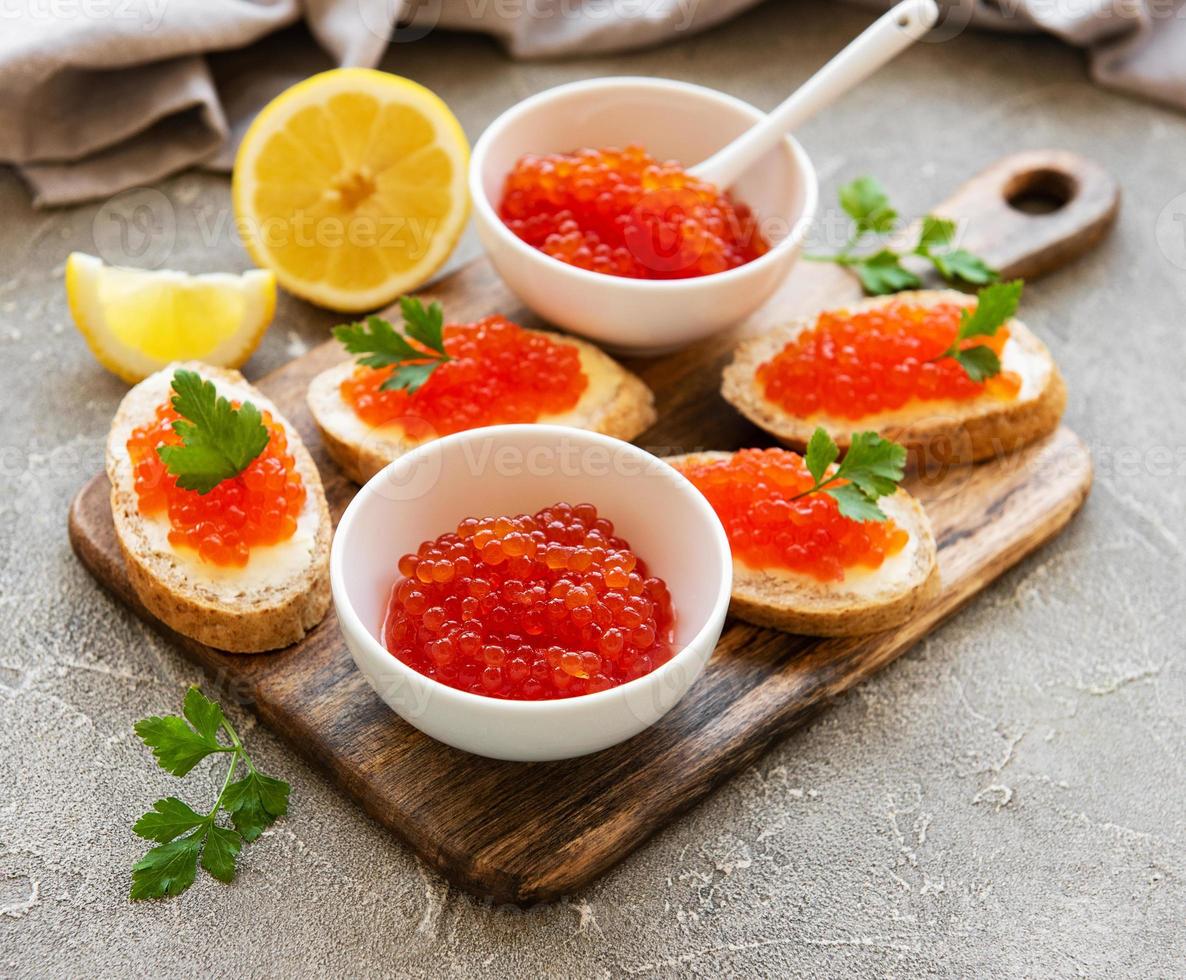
513, 469
673, 120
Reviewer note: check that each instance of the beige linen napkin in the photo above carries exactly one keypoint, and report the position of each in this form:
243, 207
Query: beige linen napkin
548, 28
97, 96
1134, 46
100, 95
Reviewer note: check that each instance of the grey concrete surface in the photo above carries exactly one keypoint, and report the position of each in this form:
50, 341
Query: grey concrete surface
1007, 800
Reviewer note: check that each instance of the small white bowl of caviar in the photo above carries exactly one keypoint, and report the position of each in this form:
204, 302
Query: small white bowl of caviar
530, 592
602, 250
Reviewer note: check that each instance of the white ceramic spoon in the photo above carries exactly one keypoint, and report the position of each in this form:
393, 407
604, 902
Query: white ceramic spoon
887, 37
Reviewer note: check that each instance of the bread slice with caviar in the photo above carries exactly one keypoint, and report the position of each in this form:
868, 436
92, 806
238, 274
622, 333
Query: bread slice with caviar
282, 591
865, 600
614, 401
947, 430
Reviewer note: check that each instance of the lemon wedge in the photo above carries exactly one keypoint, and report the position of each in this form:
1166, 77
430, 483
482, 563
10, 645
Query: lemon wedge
137, 321
351, 187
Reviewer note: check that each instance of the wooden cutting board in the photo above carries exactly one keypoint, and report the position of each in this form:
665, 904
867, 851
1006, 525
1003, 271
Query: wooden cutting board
524, 833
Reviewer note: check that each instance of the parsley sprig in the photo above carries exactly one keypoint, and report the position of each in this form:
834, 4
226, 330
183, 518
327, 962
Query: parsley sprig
872, 468
184, 836
995, 304
217, 441
881, 271
382, 345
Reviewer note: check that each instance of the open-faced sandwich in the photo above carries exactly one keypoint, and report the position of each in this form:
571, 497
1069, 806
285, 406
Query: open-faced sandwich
428, 379
949, 376
219, 510
820, 548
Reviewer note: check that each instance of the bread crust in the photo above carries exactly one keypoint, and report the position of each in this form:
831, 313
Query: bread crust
951, 433
362, 451
800, 604
253, 620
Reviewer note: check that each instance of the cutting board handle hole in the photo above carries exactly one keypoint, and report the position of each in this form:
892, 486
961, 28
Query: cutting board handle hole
1041, 191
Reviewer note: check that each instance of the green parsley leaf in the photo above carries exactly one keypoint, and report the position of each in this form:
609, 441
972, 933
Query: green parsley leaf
252, 804
177, 747
935, 233
167, 819
171, 868
255, 802
853, 504
994, 305
168, 869
955, 265
821, 453
204, 714
381, 345
409, 377
882, 273
424, 325
980, 363
378, 341
217, 441
872, 466
962, 266
865, 201
218, 856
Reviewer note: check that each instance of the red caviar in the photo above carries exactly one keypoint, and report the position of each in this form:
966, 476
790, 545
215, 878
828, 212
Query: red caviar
258, 507
499, 373
849, 365
624, 213
754, 493
530, 608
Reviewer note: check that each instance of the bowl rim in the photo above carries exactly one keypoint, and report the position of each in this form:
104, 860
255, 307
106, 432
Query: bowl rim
485, 211
350, 620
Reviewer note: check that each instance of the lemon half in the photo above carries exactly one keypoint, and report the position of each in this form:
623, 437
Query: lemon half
351, 187
137, 321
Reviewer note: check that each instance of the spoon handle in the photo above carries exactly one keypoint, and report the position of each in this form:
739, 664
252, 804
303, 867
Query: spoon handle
885, 38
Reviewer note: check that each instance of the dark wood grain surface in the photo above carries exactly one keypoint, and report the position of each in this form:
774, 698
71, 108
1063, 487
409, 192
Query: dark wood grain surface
525, 833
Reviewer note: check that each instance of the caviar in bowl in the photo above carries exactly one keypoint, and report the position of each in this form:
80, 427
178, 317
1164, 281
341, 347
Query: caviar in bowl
622, 212
522, 469
672, 121
530, 607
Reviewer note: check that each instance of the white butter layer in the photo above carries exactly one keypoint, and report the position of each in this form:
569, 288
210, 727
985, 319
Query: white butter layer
267, 565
